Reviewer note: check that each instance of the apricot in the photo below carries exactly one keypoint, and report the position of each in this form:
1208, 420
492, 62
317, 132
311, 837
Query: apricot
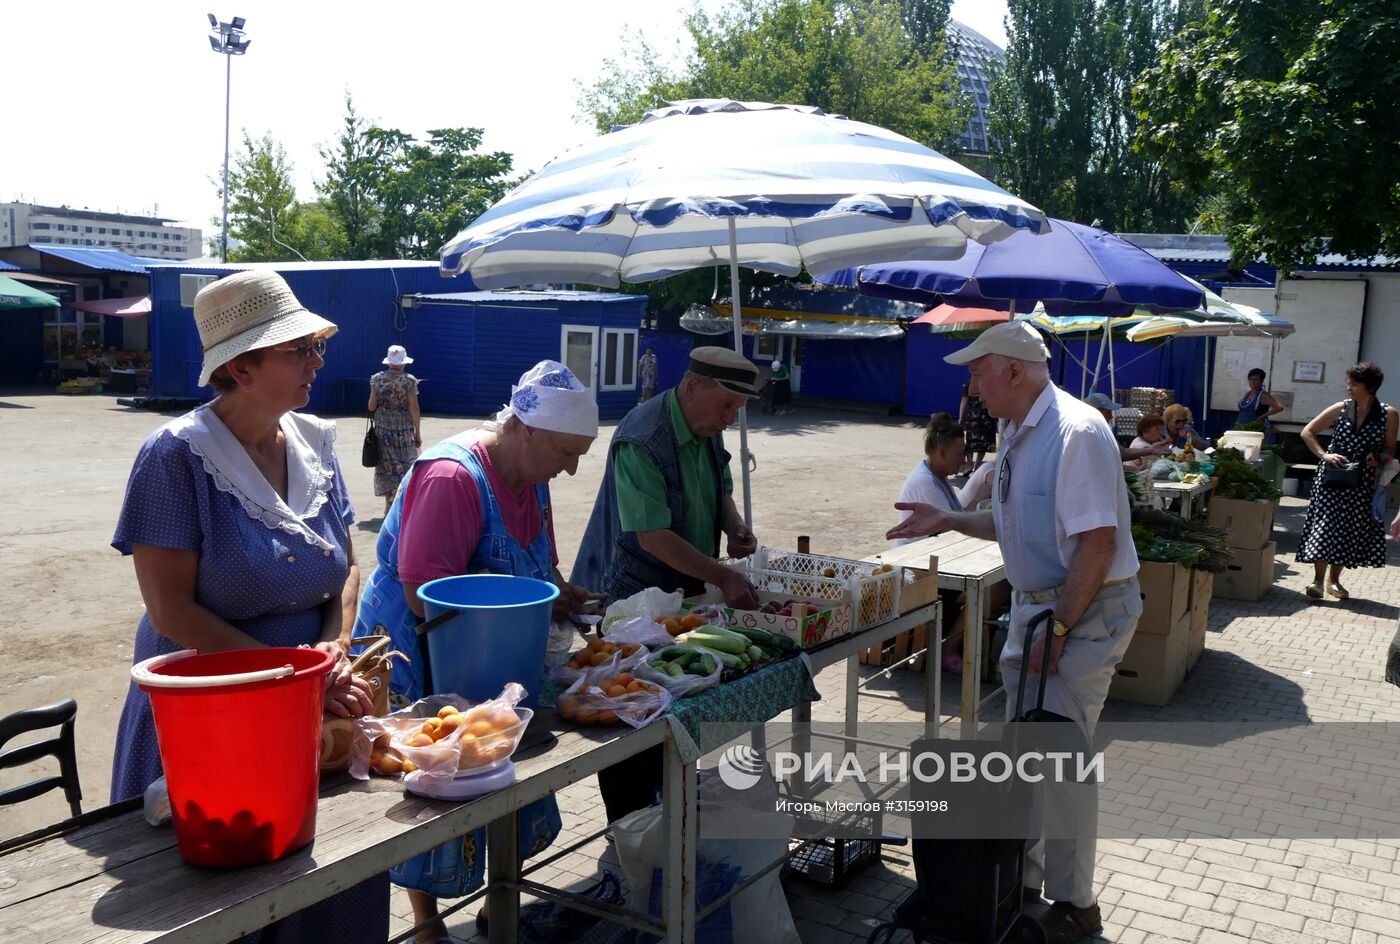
599, 658
447, 710
587, 715
623, 678
419, 740
691, 621
567, 707
673, 626
389, 763
607, 716
451, 723
617, 691
409, 766
634, 686
481, 728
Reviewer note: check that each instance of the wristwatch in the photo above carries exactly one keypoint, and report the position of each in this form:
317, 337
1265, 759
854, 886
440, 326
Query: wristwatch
1059, 627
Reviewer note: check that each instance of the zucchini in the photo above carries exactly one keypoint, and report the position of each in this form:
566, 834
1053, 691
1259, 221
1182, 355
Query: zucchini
762, 637
755, 654
727, 643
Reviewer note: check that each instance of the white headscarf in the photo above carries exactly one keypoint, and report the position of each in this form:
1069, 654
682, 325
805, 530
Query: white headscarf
549, 396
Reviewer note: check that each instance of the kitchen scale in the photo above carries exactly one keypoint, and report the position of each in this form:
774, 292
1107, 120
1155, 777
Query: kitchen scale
467, 785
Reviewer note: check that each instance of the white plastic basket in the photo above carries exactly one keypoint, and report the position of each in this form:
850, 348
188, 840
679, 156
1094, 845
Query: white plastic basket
871, 591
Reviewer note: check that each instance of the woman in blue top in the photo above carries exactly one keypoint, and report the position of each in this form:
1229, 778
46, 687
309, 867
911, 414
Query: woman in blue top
237, 519
478, 502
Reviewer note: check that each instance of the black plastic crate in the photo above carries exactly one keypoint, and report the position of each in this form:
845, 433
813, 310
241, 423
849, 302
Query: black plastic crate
833, 860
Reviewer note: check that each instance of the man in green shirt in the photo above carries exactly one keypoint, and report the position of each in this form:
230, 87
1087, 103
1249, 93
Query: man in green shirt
666, 496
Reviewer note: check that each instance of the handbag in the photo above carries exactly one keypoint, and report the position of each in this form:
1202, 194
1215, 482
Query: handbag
1342, 476
375, 666
369, 452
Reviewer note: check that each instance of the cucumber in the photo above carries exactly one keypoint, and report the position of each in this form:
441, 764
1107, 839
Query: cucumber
706, 665
764, 638
723, 632
674, 669
755, 654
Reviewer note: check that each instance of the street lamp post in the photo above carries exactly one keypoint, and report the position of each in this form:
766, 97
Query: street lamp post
229, 40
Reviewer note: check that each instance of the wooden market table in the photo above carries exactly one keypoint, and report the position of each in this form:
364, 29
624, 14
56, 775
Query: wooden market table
107, 876
1189, 500
973, 566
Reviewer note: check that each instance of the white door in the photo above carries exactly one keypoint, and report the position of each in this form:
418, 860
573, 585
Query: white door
579, 351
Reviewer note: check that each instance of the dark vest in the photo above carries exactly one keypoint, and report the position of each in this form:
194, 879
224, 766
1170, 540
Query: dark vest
612, 561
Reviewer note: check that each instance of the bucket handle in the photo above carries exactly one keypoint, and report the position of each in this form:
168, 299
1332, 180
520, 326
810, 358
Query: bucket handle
428, 626
142, 673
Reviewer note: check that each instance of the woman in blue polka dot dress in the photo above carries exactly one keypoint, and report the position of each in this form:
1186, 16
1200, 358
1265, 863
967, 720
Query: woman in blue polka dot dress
237, 519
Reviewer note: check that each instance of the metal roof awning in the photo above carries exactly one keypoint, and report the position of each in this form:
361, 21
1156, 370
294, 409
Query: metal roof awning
130, 307
707, 319
38, 279
109, 260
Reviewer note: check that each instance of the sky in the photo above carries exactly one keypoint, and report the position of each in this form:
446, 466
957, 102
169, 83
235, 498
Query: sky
126, 99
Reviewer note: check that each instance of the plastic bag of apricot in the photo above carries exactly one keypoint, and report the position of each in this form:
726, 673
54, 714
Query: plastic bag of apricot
440, 735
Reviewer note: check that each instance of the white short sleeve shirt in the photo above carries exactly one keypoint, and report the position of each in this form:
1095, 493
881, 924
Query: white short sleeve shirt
1062, 475
921, 486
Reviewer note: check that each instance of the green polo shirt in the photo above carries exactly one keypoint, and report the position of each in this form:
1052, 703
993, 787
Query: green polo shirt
641, 490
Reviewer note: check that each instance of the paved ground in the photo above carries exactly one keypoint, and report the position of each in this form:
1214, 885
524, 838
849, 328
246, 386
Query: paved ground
1283, 659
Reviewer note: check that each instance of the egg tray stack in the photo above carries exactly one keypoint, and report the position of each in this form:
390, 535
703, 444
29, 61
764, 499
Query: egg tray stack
1144, 399
871, 590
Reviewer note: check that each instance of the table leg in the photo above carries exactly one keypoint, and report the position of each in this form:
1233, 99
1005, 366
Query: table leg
679, 814
973, 611
933, 676
503, 865
852, 719
801, 745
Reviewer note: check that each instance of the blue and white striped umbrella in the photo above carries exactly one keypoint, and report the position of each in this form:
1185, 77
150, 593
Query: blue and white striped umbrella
801, 187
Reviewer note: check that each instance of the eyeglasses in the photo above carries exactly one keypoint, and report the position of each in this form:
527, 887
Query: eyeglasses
1004, 478
304, 351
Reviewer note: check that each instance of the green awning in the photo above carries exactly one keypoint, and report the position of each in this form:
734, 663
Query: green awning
18, 295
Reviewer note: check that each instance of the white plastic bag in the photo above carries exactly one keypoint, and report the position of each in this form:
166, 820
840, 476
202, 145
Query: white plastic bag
651, 603
156, 803
679, 685
760, 913
644, 630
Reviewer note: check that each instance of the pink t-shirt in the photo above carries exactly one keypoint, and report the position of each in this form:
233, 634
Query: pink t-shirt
442, 518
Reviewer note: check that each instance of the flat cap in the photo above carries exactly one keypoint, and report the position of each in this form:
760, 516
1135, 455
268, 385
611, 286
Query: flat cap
728, 368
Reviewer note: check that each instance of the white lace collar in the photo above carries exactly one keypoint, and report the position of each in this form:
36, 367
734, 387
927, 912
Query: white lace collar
310, 469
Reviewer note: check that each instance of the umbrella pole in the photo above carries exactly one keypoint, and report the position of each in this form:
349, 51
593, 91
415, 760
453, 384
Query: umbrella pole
739, 347
1112, 371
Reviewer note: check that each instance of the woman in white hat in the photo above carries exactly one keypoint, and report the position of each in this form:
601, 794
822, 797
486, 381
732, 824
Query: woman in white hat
478, 503
393, 401
237, 519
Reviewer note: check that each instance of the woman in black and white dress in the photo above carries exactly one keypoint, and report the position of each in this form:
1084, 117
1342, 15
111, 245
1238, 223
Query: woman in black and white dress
1341, 530
944, 448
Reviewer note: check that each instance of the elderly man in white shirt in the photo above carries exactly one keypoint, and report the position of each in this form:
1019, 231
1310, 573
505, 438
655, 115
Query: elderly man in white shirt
1060, 513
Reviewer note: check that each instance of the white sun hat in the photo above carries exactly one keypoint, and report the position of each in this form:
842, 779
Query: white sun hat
397, 356
247, 311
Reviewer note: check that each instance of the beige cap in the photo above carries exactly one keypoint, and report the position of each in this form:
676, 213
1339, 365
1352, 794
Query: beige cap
247, 311
730, 369
1009, 339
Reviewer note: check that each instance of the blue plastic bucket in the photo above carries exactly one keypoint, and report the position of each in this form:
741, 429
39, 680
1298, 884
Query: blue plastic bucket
486, 630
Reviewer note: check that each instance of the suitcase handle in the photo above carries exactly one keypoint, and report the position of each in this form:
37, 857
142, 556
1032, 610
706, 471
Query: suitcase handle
1042, 617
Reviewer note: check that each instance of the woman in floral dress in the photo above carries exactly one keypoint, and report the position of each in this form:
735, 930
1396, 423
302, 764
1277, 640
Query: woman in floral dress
393, 401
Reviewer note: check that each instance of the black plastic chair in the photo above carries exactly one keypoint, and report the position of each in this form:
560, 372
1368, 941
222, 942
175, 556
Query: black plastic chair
60, 746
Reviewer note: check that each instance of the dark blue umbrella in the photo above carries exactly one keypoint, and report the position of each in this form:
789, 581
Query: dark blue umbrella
1071, 270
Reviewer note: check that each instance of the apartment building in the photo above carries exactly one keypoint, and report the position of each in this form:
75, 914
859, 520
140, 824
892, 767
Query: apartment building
28, 223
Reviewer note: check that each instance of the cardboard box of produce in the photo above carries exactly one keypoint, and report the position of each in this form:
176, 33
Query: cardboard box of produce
823, 623
1249, 522
1202, 589
1249, 576
1153, 666
1166, 591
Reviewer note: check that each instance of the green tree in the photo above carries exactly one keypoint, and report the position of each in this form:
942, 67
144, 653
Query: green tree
1286, 109
394, 196
352, 173
265, 220
852, 57
1062, 114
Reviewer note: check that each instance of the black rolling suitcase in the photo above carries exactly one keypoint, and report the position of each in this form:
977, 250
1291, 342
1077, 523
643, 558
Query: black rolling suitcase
969, 887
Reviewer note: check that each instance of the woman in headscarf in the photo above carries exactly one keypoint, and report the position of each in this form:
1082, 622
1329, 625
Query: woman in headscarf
393, 401
478, 503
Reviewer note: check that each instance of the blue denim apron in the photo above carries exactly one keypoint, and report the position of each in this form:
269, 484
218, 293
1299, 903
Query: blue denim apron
458, 867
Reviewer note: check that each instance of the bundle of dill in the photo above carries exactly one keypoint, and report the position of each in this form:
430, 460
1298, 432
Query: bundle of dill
1151, 526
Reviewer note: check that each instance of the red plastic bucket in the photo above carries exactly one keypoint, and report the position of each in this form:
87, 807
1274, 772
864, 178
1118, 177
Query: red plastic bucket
240, 740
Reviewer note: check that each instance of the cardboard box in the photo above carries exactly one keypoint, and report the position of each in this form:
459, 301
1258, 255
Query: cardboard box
1153, 666
1250, 523
823, 623
1202, 589
1249, 576
1166, 592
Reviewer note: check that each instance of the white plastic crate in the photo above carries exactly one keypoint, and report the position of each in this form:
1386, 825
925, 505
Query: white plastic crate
873, 596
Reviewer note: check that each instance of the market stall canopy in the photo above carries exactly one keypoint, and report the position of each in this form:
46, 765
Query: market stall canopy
131, 307
1261, 325
1072, 270
801, 188
15, 295
950, 319
803, 312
